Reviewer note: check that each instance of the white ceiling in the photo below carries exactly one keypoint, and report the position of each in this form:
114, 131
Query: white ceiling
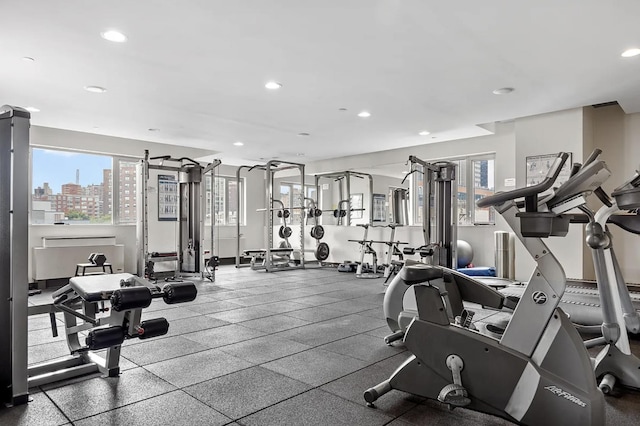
196, 69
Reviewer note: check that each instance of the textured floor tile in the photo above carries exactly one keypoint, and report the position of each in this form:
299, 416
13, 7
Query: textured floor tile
315, 314
215, 306
198, 367
264, 349
354, 306
170, 314
239, 394
316, 408
156, 350
189, 325
46, 352
275, 323
44, 335
352, 387
364, 347
315, 366
174, 408
241, 314
357, 323
433, 413
225, 335
283, 306
39, 322
40, 411
317, 334
94, 396
315, 300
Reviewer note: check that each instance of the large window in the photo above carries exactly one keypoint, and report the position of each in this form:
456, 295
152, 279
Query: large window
475, 180
291, 196
78, 188
228, 208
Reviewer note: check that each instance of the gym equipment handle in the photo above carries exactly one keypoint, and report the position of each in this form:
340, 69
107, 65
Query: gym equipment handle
552, 175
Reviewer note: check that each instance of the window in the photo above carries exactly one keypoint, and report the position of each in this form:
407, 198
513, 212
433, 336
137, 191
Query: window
291, 196
475, 180
228, 208
76, 187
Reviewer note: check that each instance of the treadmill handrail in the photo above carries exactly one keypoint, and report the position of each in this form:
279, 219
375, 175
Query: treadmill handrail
552, 175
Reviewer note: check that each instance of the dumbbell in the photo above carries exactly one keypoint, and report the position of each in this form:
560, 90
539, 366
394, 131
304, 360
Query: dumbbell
97, 259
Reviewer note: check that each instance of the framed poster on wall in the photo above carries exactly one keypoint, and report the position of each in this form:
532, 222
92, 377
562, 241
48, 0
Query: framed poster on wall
167, 198
538, 166
379, 201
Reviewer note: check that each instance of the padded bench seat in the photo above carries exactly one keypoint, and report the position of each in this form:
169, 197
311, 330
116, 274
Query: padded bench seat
263, 252
94, 288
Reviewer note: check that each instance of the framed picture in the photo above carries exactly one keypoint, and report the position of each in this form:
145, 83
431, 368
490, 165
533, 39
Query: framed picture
538, 166
356, 206
167, 198
379, 201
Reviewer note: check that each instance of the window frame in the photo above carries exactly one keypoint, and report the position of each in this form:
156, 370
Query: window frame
211, 221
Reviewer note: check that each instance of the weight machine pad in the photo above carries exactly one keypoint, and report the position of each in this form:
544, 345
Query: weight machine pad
94, 288
419, 273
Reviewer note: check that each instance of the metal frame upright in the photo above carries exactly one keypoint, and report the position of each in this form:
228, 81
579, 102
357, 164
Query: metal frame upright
14, 253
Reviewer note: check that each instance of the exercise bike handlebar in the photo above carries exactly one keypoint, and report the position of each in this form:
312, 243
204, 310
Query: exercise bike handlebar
548, 181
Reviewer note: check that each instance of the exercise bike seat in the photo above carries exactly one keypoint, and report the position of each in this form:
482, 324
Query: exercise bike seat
420, 273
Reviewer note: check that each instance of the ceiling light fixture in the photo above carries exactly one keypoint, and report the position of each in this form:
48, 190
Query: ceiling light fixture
238, 143
28, 59
424, 133
32, 109
503, 91
114, 36
364, 114
273, 85
630, 52
95, 89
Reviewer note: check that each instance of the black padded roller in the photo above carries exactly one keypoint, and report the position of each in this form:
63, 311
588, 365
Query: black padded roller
179, 293
130, 298
153, 328
102, 338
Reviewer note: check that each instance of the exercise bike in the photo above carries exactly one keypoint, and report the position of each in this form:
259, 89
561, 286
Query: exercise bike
546, 374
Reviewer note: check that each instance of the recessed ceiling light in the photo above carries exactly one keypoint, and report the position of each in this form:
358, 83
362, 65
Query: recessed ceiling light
238, 143
32, 109
273, 85
424, 133
95, 89
503, 91
153, 129
304, 134
630, 52
113, 35
28, 59
364, 114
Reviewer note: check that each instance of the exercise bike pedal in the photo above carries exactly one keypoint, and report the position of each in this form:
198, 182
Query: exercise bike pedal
454, 395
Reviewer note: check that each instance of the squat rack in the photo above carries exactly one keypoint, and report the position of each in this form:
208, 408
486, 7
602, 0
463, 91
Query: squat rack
273, 206
344, 192
190, 252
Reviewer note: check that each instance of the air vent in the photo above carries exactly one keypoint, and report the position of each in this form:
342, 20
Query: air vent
605, 104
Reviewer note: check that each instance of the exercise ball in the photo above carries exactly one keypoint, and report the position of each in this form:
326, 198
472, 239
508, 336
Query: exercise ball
465, 253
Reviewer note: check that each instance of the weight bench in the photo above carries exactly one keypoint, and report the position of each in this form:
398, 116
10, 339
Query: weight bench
280, 257
84, 299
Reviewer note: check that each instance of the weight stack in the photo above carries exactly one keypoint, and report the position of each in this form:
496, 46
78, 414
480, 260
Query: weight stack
505, 259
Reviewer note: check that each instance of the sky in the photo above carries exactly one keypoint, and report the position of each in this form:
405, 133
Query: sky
59, 167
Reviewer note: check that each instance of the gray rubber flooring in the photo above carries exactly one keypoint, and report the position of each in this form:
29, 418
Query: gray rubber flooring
295, 347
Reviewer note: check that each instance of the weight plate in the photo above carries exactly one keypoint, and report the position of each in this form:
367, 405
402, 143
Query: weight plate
322, 252
281, 232
286, 232
317, 232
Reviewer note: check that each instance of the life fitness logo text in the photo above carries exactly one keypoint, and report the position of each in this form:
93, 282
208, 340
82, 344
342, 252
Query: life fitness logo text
539, 297
566, 395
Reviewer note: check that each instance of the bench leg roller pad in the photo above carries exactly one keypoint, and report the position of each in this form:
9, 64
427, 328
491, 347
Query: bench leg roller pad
102, 338
153, 328
125, 299
179, 293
